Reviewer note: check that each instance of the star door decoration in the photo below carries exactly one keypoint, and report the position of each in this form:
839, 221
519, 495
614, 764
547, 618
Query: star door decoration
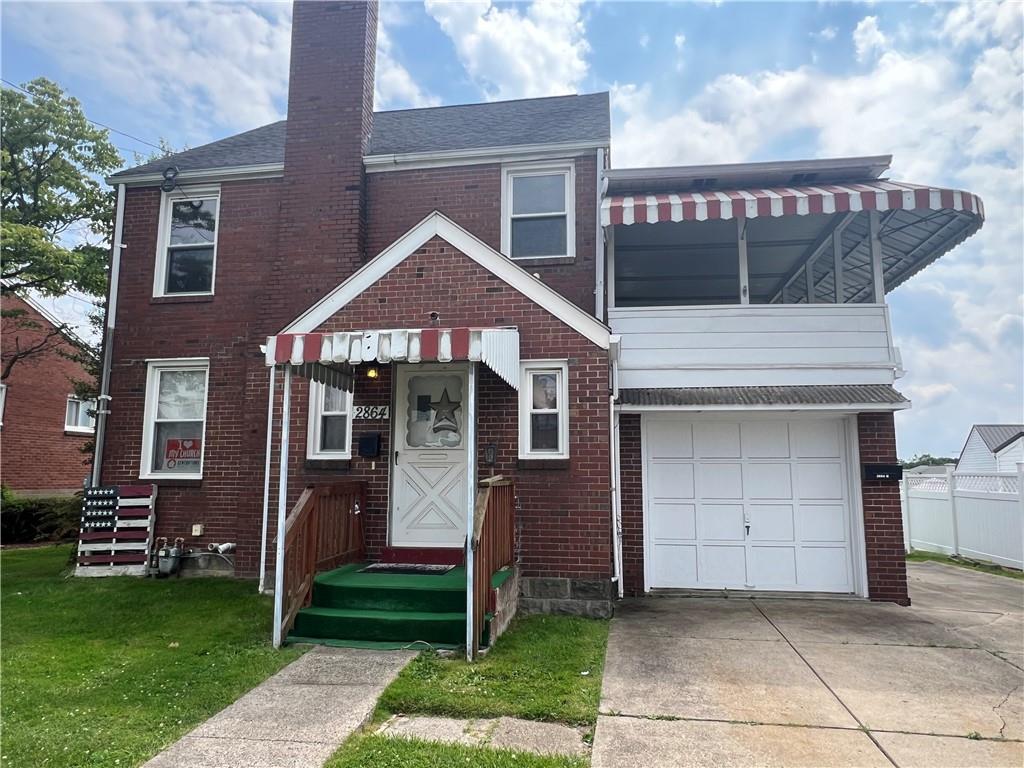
444, 413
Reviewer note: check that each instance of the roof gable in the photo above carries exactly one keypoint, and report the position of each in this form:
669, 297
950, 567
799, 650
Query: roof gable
439, 225
997, 436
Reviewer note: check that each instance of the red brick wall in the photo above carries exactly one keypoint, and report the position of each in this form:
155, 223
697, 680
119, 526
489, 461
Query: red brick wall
883, 521
632, 503
228, 329
471, 197
36, 455
565, 518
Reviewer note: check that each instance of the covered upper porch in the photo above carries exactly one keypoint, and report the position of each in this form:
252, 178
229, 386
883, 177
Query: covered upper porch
780, 269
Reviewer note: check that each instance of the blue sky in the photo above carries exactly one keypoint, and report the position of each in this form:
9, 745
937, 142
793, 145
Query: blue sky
938, 85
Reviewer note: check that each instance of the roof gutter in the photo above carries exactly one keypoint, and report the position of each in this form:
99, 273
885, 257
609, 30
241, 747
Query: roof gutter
228, 173
103, 401
876, 163
476, 156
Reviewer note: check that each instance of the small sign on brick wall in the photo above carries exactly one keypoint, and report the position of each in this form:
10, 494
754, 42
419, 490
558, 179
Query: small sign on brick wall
371, 412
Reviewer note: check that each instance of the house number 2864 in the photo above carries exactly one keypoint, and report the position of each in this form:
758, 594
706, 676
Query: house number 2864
371, 412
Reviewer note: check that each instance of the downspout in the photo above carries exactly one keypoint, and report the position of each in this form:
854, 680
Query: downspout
599, 241
266, 482
471, 510
616, 468
103, 400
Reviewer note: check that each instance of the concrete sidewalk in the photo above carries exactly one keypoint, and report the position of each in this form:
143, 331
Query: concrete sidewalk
295, 719
777, 682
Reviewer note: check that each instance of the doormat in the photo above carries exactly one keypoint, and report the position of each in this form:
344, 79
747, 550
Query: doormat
425, 570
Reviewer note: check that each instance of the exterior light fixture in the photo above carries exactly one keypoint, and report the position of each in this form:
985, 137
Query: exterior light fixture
372, 372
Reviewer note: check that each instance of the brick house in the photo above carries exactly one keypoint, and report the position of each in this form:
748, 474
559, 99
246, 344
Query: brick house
43, 426
687, 373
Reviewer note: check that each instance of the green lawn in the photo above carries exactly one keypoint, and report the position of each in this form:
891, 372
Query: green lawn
368, 751
919, 556
542, 668
108, 671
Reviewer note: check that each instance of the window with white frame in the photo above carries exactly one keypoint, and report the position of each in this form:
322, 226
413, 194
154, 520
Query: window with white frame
3, 402
544, 409
329, 435
175, 418
538, 218
80, 415
187, 245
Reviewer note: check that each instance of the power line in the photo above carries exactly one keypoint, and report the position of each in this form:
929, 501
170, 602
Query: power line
94, 122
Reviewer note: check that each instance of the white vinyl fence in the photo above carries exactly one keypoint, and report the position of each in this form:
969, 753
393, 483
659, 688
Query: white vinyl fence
970, 514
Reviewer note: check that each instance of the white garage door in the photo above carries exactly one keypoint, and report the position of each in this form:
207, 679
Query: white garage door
747, 504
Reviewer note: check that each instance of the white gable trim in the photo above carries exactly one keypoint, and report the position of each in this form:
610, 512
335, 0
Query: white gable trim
439, 225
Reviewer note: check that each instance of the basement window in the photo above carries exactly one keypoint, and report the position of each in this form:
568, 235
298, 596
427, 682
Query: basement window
538, 220
329, 434
175, 418
80, 416
187, 251
544, 409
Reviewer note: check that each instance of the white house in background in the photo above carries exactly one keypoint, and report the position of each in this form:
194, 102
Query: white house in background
992, 448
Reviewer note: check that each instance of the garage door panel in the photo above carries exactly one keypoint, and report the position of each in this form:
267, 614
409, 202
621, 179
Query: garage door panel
669, 440
723, 565
765, 439
716, 440
721, 522
771, 522
675, 564
773, 567
821, 522
817, 439
674, 521
820, 480
828, 566
768, 481
670, 480
720, 481
784, 478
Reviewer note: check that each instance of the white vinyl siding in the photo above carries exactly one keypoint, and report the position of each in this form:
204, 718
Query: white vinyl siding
1007, 458
976, 456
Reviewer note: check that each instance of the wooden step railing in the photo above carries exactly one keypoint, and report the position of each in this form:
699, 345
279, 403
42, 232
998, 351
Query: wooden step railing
323, 530
494, 546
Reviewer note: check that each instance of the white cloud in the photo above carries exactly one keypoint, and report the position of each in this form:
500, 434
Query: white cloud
644, 40
394, 86
827, 33
208, 67
517, 52
679, 41
949, 117
868, 38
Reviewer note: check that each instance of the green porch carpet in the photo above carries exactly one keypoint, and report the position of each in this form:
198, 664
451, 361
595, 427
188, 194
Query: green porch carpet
386, 610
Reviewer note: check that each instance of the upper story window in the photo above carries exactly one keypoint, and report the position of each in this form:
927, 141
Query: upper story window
175, 419
80, 415
538, 204
330, 423
187, 242
544, 409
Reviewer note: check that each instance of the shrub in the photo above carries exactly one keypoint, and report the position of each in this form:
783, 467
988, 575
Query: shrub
26, 519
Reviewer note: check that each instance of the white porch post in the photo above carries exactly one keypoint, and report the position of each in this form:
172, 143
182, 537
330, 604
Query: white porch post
282, 502
741, 244
951, 490
837, 266
266, 481
876, 258
470, 504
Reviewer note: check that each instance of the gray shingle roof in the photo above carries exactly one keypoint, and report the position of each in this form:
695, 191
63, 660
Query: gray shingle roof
554, 119
998, 436
830, 394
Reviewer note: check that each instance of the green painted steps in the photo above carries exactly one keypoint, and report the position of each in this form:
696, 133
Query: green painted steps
349, 607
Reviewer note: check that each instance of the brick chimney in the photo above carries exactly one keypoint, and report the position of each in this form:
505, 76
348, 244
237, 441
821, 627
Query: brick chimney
330, 115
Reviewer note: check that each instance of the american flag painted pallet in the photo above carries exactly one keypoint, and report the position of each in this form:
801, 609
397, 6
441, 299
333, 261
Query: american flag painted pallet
116, 533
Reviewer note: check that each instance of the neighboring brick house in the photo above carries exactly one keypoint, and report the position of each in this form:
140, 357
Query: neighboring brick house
44, 427
687, 372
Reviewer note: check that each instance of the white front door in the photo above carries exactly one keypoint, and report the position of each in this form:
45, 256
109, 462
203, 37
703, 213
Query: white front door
428, 500
747, 504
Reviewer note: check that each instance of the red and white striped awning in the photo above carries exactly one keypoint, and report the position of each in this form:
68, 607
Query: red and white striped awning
785, 201
497, 348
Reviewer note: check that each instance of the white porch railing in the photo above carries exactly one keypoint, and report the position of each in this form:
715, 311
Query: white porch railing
763, 344
971, 514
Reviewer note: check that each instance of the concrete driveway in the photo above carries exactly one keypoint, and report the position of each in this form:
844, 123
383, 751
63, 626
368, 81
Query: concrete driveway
706, 681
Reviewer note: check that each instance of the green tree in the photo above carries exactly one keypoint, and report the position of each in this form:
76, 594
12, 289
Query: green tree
927, 460
56, 214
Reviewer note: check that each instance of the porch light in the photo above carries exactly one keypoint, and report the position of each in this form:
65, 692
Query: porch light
372, 372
